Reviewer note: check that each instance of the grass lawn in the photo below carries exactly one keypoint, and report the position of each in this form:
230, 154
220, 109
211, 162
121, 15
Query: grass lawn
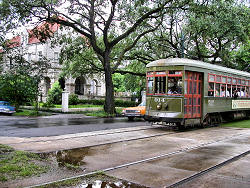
239, 124
15, 164
79, 106
101, 113
31, 113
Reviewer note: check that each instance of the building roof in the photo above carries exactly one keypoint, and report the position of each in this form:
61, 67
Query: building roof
42, 32
195, 63
14, 42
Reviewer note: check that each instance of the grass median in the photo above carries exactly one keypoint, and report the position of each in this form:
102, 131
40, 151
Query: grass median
238, 124
18, 164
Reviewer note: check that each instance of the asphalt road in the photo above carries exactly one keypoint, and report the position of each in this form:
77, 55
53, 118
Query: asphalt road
60, 124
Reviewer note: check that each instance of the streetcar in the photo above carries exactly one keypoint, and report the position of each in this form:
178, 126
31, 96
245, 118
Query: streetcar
185, 92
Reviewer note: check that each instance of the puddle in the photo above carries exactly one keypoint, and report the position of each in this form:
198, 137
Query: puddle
64, 158
200, 158
104, 184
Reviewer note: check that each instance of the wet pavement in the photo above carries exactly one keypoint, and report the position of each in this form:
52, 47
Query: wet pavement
60, 124
117, 152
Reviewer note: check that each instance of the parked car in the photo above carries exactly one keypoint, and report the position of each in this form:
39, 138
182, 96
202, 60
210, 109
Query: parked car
6, 108
132, 112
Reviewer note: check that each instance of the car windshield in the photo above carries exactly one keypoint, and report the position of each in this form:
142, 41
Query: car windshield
4, 103
142, 104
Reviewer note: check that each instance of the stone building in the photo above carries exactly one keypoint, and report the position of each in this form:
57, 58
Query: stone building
34, 48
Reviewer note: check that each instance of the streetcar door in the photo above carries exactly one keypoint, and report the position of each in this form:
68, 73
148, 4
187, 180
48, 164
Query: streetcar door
192, 101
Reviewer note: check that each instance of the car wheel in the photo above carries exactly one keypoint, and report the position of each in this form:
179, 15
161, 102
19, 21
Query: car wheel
131, 118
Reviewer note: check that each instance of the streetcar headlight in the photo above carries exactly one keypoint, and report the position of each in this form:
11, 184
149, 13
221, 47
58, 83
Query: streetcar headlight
158, 106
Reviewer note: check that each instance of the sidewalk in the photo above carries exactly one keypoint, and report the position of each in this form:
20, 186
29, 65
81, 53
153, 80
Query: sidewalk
60, 109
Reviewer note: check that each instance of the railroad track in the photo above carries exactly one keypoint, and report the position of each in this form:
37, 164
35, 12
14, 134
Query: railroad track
99, 134
164, 155
208, 170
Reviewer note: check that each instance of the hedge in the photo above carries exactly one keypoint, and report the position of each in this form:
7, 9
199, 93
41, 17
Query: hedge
118, 103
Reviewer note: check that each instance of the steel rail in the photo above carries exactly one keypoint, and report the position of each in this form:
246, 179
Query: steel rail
206, 171
83, 136
146, 160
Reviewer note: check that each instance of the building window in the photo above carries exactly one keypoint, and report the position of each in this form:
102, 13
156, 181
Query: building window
29, 56
40, 55
56, 55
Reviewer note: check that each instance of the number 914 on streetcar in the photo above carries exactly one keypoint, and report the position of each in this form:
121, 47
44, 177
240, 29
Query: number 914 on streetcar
187, 92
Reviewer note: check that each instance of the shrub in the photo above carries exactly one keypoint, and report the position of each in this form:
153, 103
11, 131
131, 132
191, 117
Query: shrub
92, 101
55, 94
48, 105
118, 103
121, 103
73, 99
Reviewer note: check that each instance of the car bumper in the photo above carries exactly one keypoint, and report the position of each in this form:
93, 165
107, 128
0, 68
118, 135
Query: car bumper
6, 111
132, 115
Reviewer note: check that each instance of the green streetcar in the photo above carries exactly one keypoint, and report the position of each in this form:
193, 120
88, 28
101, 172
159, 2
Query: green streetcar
188, 92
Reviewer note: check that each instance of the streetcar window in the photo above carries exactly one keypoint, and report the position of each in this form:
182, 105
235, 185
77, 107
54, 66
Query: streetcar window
242, 92
229, 91
224, 79
160, 85
223, 91
234, 81
150, 81
218, 78
211, 78
174, 85
217, 90
234, 92
239, 82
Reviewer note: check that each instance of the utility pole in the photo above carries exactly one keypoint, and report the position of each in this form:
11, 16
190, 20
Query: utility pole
182, 44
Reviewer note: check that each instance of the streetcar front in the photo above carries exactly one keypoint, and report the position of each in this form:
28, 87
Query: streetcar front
165, 95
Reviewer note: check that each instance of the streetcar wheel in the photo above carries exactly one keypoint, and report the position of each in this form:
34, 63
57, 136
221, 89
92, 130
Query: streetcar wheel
180, 126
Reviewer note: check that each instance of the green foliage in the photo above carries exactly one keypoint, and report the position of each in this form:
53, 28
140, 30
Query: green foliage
55, 94
31, 113
242, 57
122, 103
14, 164
118, 103
215, 29
92, 101
73, 99
118, 81
48, 105
18, 84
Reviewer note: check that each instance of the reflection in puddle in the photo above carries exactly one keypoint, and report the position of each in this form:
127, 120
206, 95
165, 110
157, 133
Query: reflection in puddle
63, 158
104, 184
73, 157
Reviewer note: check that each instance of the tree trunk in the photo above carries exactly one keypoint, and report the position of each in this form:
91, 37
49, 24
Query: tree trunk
109, 106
